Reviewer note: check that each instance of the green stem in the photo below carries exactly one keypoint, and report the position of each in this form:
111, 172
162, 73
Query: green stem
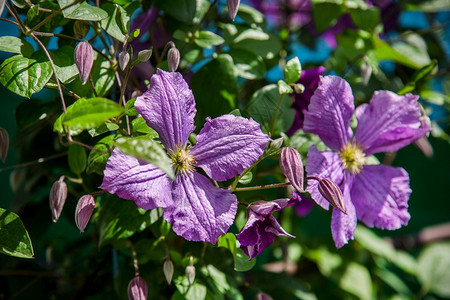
262, 187
275, 115
236, 181
54, 14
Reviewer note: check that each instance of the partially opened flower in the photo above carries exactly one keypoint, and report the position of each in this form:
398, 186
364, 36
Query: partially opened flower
375, 194
226, 146
261, 227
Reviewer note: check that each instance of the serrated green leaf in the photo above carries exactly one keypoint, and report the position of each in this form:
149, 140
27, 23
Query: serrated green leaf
292, 70
14, 238
98, 157
284, 88
77, 158
147, 150
247, 64
119, 219
91, 113
15, 45
434, 269
207, 39
24, 76
82, 11
117, 23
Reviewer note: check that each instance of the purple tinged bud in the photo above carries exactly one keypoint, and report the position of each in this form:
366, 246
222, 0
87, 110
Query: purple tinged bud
233, 6
168, 270
263, 296
4, 144
84, 59
173, 59
58, 195
292, 167
331, 191
84, 210
190, 272
137, 289
124, 59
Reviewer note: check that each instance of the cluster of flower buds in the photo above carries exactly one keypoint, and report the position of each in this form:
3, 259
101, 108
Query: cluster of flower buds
83, 212
173, 57
233, 6
58, 195
84, 59
137, 289
292, 167
190, 271
168, 270
4, 144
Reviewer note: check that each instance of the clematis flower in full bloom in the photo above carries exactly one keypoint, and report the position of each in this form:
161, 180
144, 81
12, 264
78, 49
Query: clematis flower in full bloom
375, 194
261, 227
198, 210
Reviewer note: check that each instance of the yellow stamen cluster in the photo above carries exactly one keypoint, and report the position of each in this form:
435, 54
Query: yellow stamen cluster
182, 161
352, 157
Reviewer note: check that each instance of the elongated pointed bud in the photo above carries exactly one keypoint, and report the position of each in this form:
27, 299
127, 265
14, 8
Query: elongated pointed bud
190, 272
144, 55
84, 59
58, 195
83, 212
173, 59
4, 144
331, 191
124, 59
168, 270
276, 144
292, 167
137, 289
233, 6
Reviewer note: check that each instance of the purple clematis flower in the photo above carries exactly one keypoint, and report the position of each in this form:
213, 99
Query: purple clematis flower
226, 145
261, 227
375, 194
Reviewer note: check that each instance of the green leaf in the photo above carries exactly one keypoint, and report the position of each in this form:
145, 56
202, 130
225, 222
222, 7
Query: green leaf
165, 227
129, 108
228, 241
384, 51
327, 261
15, 45
261, 42
105, 127
247, 64
181, 10
196, 291
117, 23
292, 70
119, 219
326, 13
249, 14
147, 150
365, 18
356, 280
14, 238
64, 62
139, 125
98, 157
82, 11
284, 88
24, 76
207, 39
247, 178
77, 158
262, 107
394, 281
91, 113
219, 278
433, 269
242, 263
430, 6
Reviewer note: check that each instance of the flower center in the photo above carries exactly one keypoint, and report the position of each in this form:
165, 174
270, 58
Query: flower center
182, 161
352, 157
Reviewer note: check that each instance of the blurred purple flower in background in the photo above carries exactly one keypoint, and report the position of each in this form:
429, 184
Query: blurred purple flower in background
375, 194
198, 210
261, 227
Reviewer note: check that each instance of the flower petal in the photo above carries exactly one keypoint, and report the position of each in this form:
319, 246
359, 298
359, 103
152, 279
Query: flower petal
380, 195
322, 165
389, 122
227, 145
202, 212
343, 225
169, 108
330, 112
135, 180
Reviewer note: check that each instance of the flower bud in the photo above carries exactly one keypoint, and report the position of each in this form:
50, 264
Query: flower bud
4, 144
233, 6
263, 296
144, 55
81, 29
274, 145
190, 272
292, 167
299, 88
58, 195
173, 59
168, 270
124, 59
84, 59
137, 289
330, 191
84, 210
